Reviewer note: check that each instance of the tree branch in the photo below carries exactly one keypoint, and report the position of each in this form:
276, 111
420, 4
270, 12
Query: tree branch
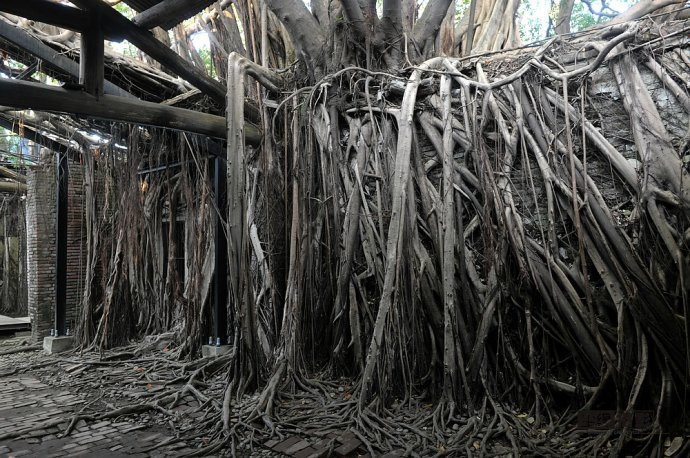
565, 11
319, 9
354, 15
305, 32
642, 8
391, 24
428, 25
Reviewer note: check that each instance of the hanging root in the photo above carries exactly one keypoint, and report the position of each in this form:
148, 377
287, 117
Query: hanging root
482, 243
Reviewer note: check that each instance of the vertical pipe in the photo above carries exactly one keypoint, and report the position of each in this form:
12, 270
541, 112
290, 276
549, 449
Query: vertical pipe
220, 282
61, 244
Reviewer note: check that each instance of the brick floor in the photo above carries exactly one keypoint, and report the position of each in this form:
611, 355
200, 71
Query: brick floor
27, 403
40, 394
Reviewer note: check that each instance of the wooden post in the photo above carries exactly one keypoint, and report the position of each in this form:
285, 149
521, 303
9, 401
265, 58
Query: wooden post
91, 67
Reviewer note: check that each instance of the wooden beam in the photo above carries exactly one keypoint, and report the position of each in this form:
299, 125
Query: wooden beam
40, 97
12, 186
50, 57
12, 174
146, 42
32, 134
115, 27
167, 11
59, 15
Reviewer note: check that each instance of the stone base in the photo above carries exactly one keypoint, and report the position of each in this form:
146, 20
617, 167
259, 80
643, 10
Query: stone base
53, 345
212, 351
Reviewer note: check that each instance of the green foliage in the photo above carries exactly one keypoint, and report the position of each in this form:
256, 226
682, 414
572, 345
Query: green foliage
582, 18
207, 59
532, 26
9, 146
125, 10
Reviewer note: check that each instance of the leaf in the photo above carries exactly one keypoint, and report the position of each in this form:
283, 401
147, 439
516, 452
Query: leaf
476, 445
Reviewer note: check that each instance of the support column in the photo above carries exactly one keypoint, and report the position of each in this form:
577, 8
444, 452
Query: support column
219, 298
91, 67
61, 245
220, 282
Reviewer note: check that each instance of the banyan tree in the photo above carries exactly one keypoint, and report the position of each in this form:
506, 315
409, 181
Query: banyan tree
481, 238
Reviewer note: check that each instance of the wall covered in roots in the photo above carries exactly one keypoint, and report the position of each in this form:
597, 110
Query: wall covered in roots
508, 229
501, 230
13, 285
148, 240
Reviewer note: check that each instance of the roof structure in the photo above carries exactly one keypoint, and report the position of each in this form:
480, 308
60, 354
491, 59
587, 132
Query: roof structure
56, 57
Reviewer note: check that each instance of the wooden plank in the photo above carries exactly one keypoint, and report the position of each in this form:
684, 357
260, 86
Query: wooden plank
40, 97
169, 13
49, 56
349, 446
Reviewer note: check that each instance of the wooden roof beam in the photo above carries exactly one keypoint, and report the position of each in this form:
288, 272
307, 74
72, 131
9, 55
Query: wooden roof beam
41, 97
147, 43
31, 133
169, 11
52, 13
118, 27
48, 55
57, 14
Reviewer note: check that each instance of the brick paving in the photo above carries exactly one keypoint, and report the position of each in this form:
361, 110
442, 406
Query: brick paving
28, 403
39, 406
331, 444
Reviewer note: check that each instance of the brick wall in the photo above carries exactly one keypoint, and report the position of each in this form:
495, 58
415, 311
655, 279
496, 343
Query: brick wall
40, 228
76, 244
